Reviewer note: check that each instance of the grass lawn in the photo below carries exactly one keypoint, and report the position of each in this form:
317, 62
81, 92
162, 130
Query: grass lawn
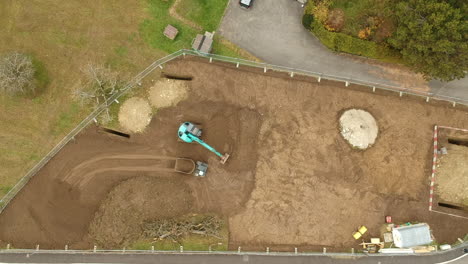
62, 37
206, 13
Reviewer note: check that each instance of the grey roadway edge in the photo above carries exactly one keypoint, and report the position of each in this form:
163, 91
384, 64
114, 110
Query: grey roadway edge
459, 247
454, 257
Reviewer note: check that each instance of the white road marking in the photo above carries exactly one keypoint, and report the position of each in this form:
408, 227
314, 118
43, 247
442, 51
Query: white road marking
452, 260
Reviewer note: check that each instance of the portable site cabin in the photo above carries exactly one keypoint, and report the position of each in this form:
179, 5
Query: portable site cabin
411, 236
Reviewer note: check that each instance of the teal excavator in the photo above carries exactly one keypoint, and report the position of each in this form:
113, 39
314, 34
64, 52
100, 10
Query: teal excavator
189, 132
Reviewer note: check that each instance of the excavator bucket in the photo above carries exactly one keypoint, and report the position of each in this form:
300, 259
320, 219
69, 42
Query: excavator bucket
224, 158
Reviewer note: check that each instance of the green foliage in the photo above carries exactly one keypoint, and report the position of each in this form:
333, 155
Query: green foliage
344, 43
206, 13
307, 20
41, 75
432, 37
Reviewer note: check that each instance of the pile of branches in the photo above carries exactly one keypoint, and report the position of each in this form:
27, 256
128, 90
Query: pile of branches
175, 229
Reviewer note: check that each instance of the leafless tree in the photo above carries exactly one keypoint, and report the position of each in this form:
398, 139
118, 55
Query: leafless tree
99, 84
16, 74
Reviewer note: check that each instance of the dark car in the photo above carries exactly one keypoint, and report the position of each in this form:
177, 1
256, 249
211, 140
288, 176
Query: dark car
246, 3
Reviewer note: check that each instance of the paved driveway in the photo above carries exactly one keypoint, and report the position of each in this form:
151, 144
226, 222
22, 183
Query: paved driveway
273, 32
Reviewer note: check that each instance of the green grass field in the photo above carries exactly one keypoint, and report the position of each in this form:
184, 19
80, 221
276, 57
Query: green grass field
206, 13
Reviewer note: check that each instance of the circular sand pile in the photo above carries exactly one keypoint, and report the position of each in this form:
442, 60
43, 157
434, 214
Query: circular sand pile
359, 128
135, 114
167, 92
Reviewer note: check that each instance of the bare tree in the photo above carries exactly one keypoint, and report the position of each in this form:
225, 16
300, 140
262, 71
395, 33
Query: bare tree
99, 84
16, 74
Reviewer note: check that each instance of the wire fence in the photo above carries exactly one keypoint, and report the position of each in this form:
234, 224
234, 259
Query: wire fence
92, 116
210, 57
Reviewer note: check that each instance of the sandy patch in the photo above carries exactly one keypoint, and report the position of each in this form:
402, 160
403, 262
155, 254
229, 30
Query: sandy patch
359, 128
135, 114
166, 93
452, 175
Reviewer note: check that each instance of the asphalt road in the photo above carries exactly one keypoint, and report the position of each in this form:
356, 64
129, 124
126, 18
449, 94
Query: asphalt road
272, 31
226, 259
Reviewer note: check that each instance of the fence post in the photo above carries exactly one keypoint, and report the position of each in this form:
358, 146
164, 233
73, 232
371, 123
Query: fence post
346, 83
37, 247
268, 250
181, 248
295, 250
239, 250
373, 89
319, 78
211, 59
401, 93
292, 74
454, 103
352, 250
183, 54
264, 69
66, 247
427, 99
237, 65
95, 248
324, 250
8, 246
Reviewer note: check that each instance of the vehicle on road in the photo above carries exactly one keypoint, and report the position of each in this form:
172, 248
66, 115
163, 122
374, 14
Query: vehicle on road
246, 3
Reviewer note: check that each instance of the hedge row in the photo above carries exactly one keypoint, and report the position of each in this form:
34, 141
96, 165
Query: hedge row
341, 42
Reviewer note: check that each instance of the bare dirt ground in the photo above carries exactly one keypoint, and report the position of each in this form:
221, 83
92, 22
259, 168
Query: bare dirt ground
292, 180
135, 114
452, 170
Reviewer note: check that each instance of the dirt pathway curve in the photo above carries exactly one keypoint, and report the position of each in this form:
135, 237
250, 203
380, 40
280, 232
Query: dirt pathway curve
173, 13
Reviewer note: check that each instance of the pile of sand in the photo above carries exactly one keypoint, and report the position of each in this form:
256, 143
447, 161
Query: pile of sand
135, 114
359, 128
452, 175
167, 92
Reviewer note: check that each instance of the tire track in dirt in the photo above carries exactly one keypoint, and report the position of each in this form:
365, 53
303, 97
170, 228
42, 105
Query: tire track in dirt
79, 176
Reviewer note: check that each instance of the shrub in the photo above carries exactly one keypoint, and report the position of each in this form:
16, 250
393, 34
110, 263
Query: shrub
16, 74
348, 44
307, 20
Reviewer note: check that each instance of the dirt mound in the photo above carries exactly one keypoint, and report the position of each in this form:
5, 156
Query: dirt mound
121, 215
135, 115
359, 128
167, 92
452, 175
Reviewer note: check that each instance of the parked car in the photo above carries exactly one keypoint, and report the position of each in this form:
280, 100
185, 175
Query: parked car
246, 3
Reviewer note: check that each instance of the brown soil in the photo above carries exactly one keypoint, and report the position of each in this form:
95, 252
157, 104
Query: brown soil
311, 188
452, 170
128, 206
